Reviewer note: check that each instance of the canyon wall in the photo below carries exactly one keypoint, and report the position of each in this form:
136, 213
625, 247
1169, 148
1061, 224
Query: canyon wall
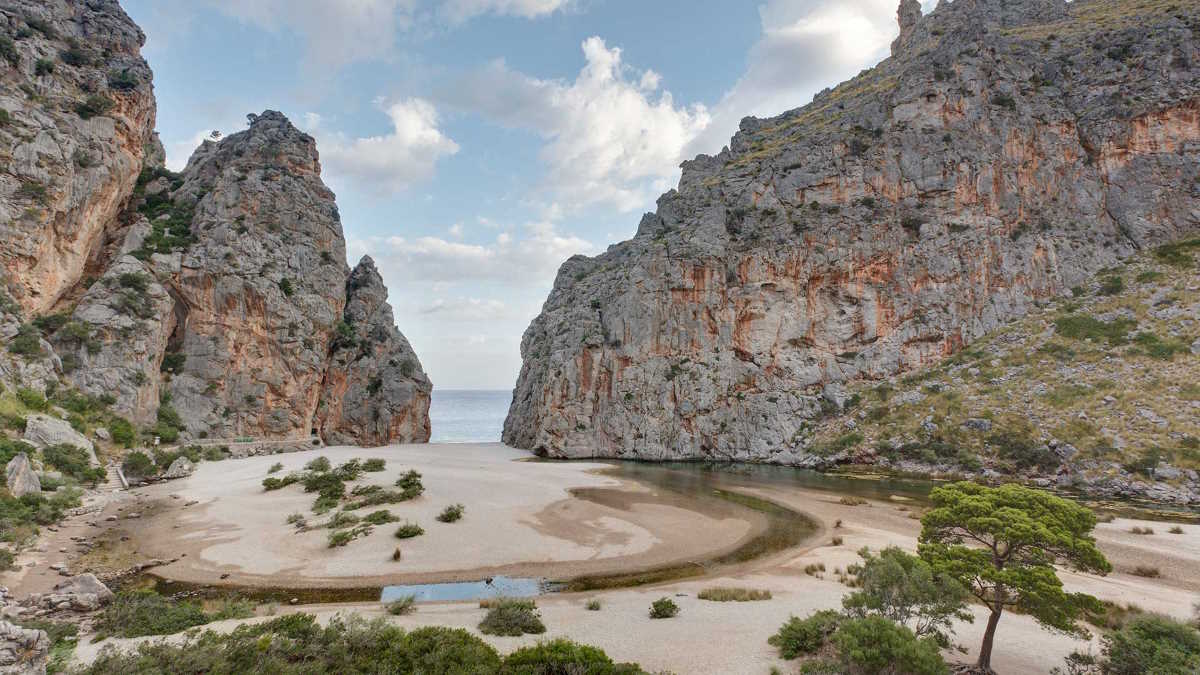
1005, 151
216, 302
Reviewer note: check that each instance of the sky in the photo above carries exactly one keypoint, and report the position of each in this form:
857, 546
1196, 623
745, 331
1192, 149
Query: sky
474, 145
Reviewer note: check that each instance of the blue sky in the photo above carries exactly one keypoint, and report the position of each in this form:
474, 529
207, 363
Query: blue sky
476, 144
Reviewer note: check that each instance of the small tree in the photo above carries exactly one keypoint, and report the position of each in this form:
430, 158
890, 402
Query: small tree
902, 587
1002, 544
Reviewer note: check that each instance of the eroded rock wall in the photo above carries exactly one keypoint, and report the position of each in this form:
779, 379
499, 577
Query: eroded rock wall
79, 111
1004, 152
204, 303
375, 391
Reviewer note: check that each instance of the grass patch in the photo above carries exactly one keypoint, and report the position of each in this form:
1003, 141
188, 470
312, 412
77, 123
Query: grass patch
405, 604
1141, 530
1080, 327
593, 605
1178, 254
729, 594
1146, 571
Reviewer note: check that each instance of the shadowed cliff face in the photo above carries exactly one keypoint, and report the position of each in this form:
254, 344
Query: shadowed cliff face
375, 391
1005, 152
213, 302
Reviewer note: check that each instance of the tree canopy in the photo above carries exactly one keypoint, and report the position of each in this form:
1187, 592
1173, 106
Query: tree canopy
1002, 544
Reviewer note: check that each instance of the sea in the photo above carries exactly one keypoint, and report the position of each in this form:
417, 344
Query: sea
467, 416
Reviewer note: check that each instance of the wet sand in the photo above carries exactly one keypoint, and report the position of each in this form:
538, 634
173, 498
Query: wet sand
553, 520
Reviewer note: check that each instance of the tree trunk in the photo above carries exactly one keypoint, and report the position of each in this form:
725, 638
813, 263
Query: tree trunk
985, 651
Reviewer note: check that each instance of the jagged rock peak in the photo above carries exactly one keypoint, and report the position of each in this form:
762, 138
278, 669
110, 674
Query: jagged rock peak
907, 15
375, 391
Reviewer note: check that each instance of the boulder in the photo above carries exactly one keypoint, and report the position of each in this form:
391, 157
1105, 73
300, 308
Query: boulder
44, 430
83, 593
978, 424
182, 467
23, 651
21, 478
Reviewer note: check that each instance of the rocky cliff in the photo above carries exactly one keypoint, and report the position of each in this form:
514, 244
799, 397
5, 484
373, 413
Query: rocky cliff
1006, 151
215, 302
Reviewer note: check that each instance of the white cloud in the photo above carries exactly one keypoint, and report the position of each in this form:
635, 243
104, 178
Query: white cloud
531, 260
456, 230
806, 45
461, 10
335, 32
392, 162
612, 136
466, 309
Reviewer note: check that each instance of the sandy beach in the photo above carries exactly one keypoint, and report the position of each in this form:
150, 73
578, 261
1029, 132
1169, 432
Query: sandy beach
533, 518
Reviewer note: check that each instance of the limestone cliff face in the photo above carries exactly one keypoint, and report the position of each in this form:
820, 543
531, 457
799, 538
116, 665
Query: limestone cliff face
1006, 151
259, 288
78, 116
375, 391
206, 303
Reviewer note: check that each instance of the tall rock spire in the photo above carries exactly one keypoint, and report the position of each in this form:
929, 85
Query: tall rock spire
908, 15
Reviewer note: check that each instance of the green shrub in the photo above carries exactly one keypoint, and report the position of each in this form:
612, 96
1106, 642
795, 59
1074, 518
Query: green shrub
593, 605
173, 362
32, 399
27, 342
1079, 327
373, 465
276, 467
451, 513
512, 618
138, 465
1112, 284
342, 537
144, 612
5, 117
563, 657
19, 517
405, 604
1151, 644
409, 530
1158, 348
877, 645
93, 106
122, 431
122, 80
271, 483
410, 484
799, 637
6, 561
75, 55
285, 285
295, 643
8, 51
73, 462
320, 464
1178, 254
903, 588
663, 608
43, 67
380, 518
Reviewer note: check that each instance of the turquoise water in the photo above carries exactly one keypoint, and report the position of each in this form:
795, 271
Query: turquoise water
468, 590
462, 416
